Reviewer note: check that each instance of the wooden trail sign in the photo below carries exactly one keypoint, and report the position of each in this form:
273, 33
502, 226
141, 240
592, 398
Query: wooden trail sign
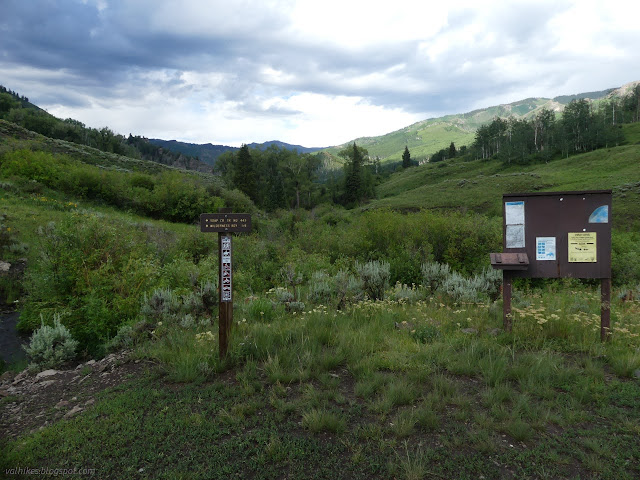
225, 223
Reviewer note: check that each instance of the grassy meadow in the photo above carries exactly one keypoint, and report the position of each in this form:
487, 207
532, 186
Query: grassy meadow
349, 357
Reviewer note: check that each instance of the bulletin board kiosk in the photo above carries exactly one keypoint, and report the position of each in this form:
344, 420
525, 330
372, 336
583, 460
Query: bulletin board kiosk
557, 235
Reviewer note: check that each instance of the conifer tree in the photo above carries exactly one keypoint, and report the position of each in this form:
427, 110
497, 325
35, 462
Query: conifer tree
244, 177
406, 158
353, 185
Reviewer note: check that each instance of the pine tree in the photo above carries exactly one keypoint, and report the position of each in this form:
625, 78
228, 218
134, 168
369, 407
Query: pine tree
244, 177
406, 158
353, 185
452, 150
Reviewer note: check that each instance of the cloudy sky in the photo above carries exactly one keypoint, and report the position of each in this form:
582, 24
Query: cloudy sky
313, 73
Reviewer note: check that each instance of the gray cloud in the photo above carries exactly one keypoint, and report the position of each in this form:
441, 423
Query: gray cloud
71, 52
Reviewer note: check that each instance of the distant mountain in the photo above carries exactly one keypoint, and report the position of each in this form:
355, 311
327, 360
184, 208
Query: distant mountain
426, 137
288, 146
209, 153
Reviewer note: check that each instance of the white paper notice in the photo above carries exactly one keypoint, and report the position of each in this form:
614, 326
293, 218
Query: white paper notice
514, 213
514, 221
515, 236
545, 248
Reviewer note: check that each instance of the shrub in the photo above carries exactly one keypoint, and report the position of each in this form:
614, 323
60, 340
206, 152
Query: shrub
490, 281
375, 278
123, 339
321, 288
349, 289
403, 293
340, 290
434, 274
460, 289
51, 346
161, 305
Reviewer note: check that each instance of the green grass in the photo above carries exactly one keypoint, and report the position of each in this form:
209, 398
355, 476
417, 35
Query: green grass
478, 185
371, 390
276, 409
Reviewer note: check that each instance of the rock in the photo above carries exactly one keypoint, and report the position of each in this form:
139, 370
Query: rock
4, 393
90, 362
46, 383
75, 410
91, 401
21, 376
46, 373
637, 373
62, 403
494, 332
4, 266
8, 376
469, 331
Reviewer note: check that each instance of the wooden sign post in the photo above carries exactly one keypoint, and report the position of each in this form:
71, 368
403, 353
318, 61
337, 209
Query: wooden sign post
224, 224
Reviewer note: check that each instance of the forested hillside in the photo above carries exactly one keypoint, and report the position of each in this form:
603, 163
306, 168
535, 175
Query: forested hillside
18, 110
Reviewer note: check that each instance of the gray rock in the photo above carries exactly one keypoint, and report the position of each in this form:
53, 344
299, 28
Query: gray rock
62, 403
637, 373
469, 331
75, 410
46, 373
21, 376
46, 383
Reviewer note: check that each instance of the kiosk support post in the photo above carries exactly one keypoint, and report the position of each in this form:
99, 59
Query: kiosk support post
605, 309
506, 300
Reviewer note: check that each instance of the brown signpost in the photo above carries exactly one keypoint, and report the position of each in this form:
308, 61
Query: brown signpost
225, 223
557, 235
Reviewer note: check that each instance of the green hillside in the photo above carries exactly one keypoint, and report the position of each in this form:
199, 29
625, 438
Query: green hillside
478, 185
426, 137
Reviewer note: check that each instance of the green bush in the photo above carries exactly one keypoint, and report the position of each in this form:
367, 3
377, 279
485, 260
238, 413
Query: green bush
93, 270
51, 347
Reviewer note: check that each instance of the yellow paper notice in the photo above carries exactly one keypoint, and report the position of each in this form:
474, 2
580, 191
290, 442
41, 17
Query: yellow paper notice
582, 247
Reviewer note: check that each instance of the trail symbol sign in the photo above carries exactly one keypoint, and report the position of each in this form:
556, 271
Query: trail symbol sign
224, 224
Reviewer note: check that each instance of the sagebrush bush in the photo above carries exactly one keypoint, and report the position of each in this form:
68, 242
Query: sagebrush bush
460, 289
51, 346
321, 288
434, 274
161, 305
404, 293
375, 278
339, 290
